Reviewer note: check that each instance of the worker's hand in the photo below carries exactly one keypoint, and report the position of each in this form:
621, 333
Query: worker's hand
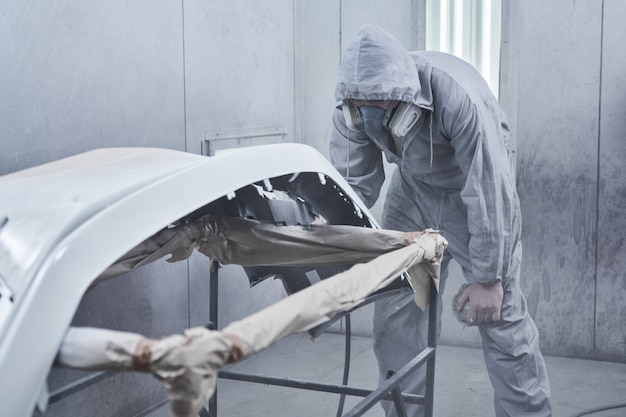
484, 302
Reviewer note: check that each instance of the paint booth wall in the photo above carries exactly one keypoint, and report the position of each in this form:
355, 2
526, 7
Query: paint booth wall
564, 87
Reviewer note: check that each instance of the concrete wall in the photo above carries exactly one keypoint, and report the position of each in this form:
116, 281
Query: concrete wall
80, 75
565, 94
610, 332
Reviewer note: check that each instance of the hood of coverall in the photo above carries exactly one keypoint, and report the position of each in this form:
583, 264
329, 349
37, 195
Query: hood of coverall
375, 66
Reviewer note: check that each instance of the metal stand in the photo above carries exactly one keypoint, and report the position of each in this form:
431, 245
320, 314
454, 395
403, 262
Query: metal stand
389, 390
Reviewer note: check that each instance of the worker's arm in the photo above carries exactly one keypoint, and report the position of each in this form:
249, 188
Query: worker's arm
479, 135
488, 193
357, 159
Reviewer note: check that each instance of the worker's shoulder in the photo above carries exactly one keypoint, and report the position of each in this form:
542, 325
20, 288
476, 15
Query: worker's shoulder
440, 59
446, 72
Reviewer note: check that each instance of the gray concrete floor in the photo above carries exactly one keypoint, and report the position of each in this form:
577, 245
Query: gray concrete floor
462, 386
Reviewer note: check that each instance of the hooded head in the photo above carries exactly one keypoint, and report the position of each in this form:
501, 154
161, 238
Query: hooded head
375, 66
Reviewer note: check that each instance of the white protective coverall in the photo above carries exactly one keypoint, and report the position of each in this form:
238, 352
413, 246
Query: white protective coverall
453, 174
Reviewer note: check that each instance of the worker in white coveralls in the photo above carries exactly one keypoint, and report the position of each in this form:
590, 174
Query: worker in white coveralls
434, 116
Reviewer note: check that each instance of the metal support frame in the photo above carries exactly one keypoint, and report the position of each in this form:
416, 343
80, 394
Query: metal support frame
389, 390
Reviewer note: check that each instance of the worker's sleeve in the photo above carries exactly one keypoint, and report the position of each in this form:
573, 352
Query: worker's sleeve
357, 159
479, 135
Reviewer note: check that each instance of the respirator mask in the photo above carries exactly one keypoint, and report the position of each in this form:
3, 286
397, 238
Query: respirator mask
397, 120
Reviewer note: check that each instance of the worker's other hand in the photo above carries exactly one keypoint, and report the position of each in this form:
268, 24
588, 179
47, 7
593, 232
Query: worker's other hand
484, 302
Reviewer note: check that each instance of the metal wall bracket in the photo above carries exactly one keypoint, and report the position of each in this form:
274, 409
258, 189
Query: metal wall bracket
218, 140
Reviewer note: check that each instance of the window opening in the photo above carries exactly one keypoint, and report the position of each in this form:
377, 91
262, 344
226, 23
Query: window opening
469, 29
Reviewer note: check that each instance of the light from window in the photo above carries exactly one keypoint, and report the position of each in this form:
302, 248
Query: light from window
469, 29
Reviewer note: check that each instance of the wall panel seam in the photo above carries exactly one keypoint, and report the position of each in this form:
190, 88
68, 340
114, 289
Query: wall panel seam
598, 179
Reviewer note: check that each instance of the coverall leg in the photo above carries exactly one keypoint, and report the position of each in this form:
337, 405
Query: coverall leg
511, 346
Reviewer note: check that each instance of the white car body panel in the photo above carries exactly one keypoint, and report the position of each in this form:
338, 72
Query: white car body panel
62, 224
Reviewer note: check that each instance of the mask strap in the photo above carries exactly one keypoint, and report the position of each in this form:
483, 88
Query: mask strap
388, 115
